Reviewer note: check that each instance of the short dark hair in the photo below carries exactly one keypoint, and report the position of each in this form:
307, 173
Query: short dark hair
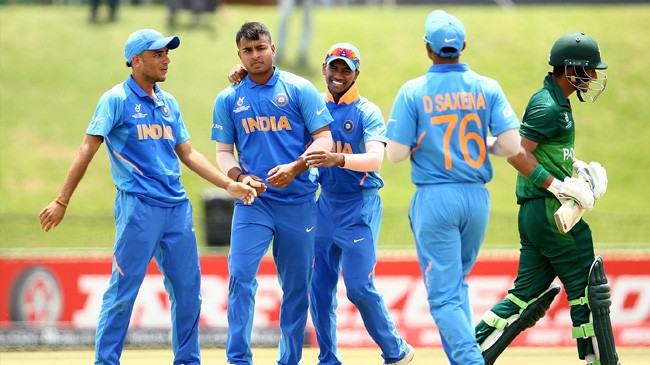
252, 31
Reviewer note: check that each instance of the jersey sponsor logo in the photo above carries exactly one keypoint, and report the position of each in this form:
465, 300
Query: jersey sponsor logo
454, 101
240, 106
568, 153
154, 131
138, 114
348, 126
217, 126
358, 239
265, 124
309, 229
281, 99
319, 112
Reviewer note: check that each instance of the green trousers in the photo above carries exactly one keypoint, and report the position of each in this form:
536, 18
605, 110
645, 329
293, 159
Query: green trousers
544, 254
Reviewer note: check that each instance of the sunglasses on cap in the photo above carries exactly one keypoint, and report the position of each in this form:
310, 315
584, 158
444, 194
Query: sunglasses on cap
343, 52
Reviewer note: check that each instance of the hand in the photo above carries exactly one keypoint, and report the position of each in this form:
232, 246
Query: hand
576, 189
281, 176
237, 73
242, 191
324, 159
594, 174
51, 215
254, 182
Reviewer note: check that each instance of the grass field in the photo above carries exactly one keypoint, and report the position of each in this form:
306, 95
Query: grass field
513, 356
55, 65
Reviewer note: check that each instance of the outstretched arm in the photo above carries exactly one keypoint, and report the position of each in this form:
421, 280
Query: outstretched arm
53, 213
200, 164
371, 160
229, 165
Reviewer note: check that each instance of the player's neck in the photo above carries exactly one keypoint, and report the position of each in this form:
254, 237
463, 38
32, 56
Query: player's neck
145, 84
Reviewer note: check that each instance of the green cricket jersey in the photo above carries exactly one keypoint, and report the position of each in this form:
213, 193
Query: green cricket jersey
549, 122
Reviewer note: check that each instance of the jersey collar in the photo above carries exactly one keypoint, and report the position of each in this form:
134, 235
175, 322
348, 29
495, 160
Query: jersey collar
349, 97
138, 90
555, 90
271, 82
448, 67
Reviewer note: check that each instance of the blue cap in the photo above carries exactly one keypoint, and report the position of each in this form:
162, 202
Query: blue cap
147, 40
346, 52
444, 31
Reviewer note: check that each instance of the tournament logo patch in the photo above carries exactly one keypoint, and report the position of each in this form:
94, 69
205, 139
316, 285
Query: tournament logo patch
348, 126
138, 114
165, 111
281, 99
568, 121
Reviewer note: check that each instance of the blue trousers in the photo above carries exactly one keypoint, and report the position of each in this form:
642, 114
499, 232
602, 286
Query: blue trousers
291, 227
346, 238
449, 223
144, 232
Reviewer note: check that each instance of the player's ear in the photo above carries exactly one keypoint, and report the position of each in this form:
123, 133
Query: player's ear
136, 60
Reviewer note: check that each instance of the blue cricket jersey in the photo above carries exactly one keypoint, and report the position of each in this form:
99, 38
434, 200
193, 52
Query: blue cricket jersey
140, 137
445, 116
271, 125
356, 121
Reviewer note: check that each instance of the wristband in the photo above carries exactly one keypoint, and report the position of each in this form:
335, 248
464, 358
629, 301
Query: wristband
61, 203
538, 175
237, 178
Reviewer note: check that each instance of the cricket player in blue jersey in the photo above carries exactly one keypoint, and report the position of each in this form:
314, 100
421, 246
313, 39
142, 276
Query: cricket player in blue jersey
273, 118
146, 137
441, 121
349, 212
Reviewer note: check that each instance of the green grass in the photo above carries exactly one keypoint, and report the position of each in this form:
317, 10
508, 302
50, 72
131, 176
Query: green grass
54, 65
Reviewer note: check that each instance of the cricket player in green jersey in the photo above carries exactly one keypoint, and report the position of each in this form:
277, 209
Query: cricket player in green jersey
545, 166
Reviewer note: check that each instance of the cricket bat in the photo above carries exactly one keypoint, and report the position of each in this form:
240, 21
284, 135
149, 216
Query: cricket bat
568, 215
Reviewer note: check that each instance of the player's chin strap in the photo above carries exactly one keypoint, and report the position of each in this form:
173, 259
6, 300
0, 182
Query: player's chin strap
505, 330
597, 298
580, 95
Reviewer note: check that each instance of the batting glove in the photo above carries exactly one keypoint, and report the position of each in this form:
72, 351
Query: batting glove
575, 189
594, 174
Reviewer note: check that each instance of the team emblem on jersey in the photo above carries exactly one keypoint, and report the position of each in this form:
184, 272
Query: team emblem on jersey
165, 111
348, 126
281, 99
